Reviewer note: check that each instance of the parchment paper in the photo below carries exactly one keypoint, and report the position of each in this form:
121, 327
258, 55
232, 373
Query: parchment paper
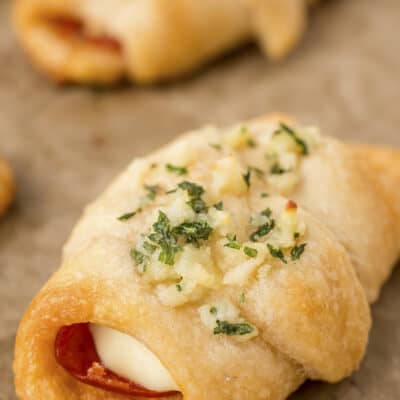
66, 144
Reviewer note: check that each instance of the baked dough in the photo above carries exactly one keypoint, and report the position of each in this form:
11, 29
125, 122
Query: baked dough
7, 188
310, 315
96, 41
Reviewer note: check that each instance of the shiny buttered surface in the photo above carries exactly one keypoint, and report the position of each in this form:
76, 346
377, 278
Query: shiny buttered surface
96, 41
235, 263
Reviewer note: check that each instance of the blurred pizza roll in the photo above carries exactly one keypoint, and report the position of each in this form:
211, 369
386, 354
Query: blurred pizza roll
146, 41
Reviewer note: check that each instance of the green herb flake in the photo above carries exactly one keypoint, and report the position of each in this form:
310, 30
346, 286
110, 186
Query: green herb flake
247, 178
193, 189
276, 169
171, 191
179, 288
216, 146
213, 310
195, 192
219, 206
150, 248
233, 243
290, 131
127, 216
251, 143
276, 253
267, 212
193, 232
257, 171
152, 191
176, 169
250, 251
163, 237
264, 195
198, 205
242, 298
232, 329
137, 256
296, 235
262, 230
297, 251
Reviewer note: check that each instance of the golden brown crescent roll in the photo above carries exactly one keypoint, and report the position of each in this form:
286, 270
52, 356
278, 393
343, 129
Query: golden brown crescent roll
7, 188
231, 264
149, 40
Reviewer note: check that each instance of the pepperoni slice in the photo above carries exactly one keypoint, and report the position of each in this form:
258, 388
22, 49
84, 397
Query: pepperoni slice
75, 351
74, 27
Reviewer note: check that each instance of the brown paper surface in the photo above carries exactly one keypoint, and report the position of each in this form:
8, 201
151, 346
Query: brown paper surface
66, 144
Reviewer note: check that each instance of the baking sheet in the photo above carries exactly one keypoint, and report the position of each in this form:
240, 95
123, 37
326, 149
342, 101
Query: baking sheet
66, 144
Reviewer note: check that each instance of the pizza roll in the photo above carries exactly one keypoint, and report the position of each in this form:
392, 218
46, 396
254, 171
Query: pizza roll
7, 187
96, 41
232, 264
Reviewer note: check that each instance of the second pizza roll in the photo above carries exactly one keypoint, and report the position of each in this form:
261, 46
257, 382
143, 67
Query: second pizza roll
96, 41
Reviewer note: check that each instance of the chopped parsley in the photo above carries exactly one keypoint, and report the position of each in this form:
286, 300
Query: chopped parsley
164, 238
276, 169
192, 232
267, 212
127, 216
297, 251
213, 310
242, 298
198, 205
233, 243
138, 257
176, 169
195, 193
250, 251
219, 206
216, 146
296, 235
150, 248
179, 288
251, 143
265, 228
247, 178
232, 329
152, 191
193, 189
262, 230
264, 195
171, 239
276, 253
300, 142
259, 172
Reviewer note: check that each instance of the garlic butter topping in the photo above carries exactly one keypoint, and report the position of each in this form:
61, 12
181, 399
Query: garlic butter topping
198, 240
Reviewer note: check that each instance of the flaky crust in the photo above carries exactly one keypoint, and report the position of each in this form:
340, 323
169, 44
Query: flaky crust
313, 317
7, 187
160, 39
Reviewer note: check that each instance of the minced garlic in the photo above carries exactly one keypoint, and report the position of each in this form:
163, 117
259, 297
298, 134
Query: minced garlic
223, 318
194, 247
228, 177
238, 138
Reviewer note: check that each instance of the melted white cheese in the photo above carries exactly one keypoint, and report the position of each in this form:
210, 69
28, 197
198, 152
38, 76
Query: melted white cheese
130, 359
